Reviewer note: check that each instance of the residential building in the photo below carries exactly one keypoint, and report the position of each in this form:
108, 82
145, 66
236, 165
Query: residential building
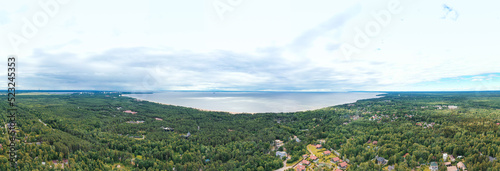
452, 168
129, 111
445, 156
318, 146
168, 129
452, 159
461, 165
305, 162
314, 159
491, 158
327, 153
434, 166
335, 160
278, 143
381, 160
447, 164
300, 168
343, 165
281, 154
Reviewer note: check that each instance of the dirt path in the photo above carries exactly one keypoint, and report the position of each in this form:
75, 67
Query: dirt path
286, 167
42, 122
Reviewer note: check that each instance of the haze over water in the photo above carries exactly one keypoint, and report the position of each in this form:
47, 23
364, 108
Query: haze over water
255, 102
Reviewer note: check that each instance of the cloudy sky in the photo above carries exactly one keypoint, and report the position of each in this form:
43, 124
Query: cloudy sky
253, 45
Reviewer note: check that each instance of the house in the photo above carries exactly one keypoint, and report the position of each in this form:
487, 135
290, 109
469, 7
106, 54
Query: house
314, 159
318, 146
434, 166
343, 165
281, 154
445, 156
278, 143
452, 168
335, 160
168, 129
327, 153
305, 162
451, 158
135, 122
131, 112
447, 164
406, 155
381, 160
452, 107
491, 158
390, 168
187, 135
158, 119
375, 142
300, 168
461, 165
305, 156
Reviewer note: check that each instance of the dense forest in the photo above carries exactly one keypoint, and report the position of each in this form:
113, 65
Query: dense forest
108, 131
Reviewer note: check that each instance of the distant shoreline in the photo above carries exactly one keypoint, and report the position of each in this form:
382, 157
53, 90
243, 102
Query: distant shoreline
206, 110
292, 107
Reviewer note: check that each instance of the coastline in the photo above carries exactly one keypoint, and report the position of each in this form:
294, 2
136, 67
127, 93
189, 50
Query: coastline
377, 95
205, 110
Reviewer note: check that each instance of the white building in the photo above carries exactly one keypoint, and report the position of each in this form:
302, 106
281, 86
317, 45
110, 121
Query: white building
281, 154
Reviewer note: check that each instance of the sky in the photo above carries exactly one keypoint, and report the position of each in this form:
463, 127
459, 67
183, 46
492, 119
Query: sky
252, 45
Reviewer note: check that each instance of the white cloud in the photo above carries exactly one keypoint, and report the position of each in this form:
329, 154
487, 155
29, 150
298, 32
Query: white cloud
260, 45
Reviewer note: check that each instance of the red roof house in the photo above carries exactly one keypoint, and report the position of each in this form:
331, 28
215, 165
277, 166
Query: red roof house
327, 152
300, 168
314, 158
129, 111
336, 159
343, 165
305, 162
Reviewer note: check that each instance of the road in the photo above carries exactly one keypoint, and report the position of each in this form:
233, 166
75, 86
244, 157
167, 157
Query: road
284, 163
285, 167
